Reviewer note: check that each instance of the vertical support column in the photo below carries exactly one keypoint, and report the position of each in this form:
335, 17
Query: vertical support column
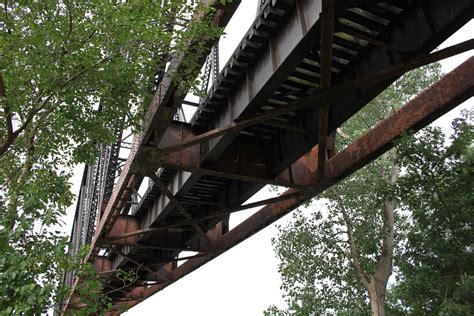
327, 32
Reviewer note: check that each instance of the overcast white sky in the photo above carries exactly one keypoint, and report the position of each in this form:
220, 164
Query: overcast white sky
245, 280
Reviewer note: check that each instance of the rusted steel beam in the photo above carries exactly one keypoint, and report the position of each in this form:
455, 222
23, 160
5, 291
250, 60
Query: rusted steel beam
327, 34
110, 243
187, 159
285, 126
112, 238
198, 255
332, 94
454, 88
451, 90
413, 63
233, 176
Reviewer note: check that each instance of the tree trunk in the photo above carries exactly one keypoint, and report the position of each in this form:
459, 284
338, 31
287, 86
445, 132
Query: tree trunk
378, 281
375, 284
377, 297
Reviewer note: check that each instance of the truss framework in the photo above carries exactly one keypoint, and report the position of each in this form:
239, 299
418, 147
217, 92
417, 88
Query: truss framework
167, 151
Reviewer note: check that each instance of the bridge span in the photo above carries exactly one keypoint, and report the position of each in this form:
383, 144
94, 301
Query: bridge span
303, 68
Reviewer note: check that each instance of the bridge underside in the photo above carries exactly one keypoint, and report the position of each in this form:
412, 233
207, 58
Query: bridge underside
270, 118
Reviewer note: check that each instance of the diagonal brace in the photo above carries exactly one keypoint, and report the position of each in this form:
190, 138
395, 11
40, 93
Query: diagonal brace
164, 189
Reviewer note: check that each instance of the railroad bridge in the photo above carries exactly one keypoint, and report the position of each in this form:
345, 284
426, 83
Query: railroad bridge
302, 69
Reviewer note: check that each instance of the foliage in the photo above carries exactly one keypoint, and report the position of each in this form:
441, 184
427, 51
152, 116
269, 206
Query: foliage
89, 300
317, 262
436, 266
70, 72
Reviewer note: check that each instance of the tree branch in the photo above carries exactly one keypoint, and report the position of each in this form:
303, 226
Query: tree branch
8, 118
4, 146
69, 19
137, 276
20, 180
354, 254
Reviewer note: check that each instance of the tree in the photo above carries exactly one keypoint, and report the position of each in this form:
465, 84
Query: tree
70, 72
436, 262
340, 256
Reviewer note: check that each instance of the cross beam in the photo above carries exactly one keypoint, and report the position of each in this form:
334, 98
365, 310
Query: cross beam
188, 160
